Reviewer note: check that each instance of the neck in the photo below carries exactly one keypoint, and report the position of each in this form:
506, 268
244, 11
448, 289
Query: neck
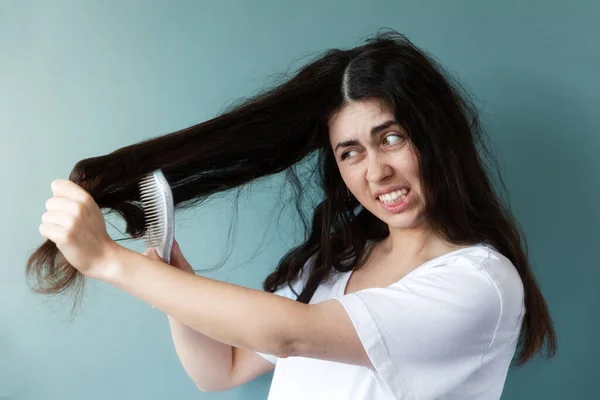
411, 243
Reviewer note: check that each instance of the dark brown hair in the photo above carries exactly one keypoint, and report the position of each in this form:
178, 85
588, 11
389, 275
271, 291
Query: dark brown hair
279, 127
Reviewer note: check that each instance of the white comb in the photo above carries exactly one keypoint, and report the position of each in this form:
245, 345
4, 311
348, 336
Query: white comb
157, 202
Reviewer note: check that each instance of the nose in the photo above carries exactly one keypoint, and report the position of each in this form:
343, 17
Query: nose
377, 169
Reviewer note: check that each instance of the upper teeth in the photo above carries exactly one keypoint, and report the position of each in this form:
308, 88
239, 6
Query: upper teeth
393, 195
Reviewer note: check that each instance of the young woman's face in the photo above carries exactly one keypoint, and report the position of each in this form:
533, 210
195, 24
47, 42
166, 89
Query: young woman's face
372, 159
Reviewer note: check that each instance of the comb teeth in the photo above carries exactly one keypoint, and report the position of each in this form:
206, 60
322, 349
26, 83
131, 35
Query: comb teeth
152, 203
157, 203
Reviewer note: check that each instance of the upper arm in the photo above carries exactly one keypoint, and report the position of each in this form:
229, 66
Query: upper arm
435, 324
246, 366
327, 333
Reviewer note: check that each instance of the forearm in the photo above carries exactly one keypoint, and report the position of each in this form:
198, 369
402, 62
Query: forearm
231, 314
206, 361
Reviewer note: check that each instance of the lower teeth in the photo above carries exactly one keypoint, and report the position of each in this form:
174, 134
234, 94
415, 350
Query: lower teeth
394, 202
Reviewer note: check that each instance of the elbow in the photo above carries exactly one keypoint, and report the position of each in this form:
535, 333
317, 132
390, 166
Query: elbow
211, 389
203, 388
215, 386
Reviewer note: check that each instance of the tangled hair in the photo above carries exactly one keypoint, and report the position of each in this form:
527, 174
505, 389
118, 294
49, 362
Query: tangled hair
279, 127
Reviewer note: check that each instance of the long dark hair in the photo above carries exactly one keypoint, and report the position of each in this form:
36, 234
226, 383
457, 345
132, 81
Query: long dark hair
279, 127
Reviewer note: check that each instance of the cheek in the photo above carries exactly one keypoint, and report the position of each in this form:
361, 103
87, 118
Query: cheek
347, 179
410, 168
410, 164
349, 175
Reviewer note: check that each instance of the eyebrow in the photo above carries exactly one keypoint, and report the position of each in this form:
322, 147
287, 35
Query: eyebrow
374, 132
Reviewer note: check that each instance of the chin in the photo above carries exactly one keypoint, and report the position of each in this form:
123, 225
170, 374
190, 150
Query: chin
405, 221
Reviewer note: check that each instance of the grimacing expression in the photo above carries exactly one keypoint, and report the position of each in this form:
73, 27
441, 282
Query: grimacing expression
373, 153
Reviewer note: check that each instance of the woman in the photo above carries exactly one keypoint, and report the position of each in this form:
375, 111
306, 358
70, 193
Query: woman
413, 282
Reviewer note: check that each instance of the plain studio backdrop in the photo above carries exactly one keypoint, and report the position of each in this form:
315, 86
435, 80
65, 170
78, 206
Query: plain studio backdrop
83, 78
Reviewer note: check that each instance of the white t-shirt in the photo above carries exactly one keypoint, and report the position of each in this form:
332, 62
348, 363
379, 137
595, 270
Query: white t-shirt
447, 330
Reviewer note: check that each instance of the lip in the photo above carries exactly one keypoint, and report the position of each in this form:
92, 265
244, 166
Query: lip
389, 189
397, 208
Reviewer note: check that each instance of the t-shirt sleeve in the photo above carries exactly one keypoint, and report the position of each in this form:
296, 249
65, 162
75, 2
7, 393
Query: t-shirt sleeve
285, 291
427, 333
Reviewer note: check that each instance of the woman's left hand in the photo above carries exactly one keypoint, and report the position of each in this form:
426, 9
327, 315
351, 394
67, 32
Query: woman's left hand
75, 223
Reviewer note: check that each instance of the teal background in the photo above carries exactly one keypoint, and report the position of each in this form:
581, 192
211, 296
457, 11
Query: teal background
82, 78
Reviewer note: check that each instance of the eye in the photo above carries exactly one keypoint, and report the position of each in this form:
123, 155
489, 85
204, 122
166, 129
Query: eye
344, 155
401, 137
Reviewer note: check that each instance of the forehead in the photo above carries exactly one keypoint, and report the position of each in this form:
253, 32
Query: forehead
356, 119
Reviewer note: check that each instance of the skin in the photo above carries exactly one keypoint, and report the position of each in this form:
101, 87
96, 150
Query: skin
243, 317
374, 163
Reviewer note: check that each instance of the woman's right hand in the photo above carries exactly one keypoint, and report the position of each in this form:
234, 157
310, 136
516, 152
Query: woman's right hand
177, 258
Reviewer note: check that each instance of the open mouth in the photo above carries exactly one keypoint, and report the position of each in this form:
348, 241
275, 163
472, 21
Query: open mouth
397, 202
394, 198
